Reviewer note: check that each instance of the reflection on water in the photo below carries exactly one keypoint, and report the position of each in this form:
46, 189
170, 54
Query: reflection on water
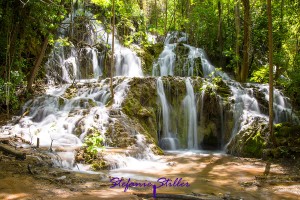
211, 173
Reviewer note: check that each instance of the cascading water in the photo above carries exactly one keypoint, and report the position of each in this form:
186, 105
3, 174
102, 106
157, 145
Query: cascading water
167, 140
179, 59
166, 62
65, 115
282, 107
82, 57
245, 105
191, 116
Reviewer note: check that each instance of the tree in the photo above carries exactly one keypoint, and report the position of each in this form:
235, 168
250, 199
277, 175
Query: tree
237, 37
37, 64
220, 33
271, 93
246, 47
112, 50
166, 17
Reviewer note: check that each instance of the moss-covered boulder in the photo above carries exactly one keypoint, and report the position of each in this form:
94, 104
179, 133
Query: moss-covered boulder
140, 104
254, 141
148, 55
251, 140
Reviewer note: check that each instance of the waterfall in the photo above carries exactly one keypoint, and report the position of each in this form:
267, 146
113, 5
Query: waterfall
166, 62
191, 116
245, 105
78, 56
222, 121
180, 59
281, 106
167, 141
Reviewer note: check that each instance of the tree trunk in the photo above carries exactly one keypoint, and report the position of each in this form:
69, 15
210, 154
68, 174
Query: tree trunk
174, 14
156, 14
279, 68
166, 17
246, 48
112, 51
220, 34
187, 17
37, 64
237, 44
270, 37
9, 150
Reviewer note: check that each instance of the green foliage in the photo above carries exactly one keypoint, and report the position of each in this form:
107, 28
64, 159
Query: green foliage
14, 87
94, 142
209, 25
24, 27
261, 75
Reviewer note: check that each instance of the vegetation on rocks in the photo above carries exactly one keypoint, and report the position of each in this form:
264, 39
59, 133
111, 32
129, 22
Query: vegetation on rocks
140, 104
253, 141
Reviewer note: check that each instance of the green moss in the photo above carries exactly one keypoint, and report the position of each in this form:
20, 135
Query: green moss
61, 102
140, 105
131, 106
71, 92
99, 165
92, 103
254, 145
157, 150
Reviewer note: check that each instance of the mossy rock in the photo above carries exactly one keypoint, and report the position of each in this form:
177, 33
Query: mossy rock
140, 103
99, 165
157, 150
61, 102
254, 145
70, 92
250, 141
118, 135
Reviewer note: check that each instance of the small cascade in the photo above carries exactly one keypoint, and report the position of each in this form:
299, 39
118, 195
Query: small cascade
222, 120
63, 117
75, 56
167, 140
166, 62
281, 105
127, 63
191, 115
169, 64
141, 154
245, 105
180, 59
78, 56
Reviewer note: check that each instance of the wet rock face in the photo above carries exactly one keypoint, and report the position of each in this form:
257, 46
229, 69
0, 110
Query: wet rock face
251, 140
215, 121
254, 141
214, 115
140, 104
120, 136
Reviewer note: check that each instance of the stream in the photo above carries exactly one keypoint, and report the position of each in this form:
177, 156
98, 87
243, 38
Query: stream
181, 111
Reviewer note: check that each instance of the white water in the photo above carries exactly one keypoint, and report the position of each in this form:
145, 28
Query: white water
78, 61
245, 106
167, 140
166, 62
281, 107
55, 119
191, 115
